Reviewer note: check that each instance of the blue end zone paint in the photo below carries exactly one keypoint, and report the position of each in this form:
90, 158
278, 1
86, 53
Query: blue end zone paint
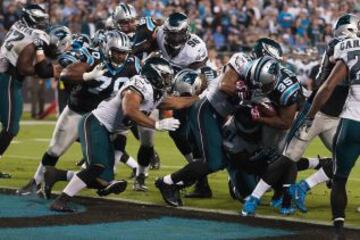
27, 206
159, 228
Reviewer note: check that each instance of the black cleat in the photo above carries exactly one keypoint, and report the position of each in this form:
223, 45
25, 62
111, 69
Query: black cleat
115, 187
30, 188
5, 175
170, 193
60, 204
139, 183
202, 190
52, 176
155, 161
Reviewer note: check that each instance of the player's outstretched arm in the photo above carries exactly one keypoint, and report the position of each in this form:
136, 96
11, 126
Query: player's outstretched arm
74, 72
171, 103
130, 104
282, 120
338, 73
131, 101
228, 81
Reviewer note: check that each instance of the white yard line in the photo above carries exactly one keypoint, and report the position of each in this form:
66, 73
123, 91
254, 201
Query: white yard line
33, 122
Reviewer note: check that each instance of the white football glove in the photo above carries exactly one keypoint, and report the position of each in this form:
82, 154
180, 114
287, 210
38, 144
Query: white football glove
167, 124
97, 72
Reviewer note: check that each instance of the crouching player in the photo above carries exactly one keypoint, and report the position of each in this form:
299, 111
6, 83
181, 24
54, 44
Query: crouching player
138, 97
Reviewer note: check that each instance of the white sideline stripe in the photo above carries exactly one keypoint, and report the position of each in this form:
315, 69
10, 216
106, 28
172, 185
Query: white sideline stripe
16, 142
219, 211
33, 122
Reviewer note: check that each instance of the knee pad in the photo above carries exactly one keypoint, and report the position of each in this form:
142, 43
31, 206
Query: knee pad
144, 155
120, 143
124, 157
49, 160
327, 165
90, 174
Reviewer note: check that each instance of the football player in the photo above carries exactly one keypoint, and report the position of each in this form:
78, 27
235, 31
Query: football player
133, 102
206, 118
181, 48
21, 54
327, 119
346, 148
98, 84
282, 89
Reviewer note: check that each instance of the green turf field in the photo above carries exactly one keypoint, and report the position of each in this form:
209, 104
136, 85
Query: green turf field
23, 156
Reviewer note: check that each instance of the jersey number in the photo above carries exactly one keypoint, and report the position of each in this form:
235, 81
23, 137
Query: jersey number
355, 69
284, 84
11, 37
193, 42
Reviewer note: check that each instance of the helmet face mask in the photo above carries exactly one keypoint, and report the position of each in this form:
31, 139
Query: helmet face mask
176, 30
117, 49
36, 17
347, 26
125, 17
263, 74
159, 73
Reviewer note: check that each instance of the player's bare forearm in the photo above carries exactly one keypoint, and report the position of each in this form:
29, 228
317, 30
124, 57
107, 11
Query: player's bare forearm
281, 121
25, 63
228, 81
74, 72
170, 103
338, 73
131, 108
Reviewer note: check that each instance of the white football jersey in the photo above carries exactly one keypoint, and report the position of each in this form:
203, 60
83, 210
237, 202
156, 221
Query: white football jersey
110, 113
193, 51
18, 37
348, 51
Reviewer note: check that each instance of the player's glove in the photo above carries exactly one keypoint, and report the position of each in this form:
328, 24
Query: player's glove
167, 124
97, 72
39, 44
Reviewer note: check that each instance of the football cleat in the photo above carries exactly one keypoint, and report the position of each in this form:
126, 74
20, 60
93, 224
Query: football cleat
276, 203
139, 183
298, 193
115, 187
29, 189
169, 192
61, 204
202, 190
286, 211
51, 176
155, 161
250, 206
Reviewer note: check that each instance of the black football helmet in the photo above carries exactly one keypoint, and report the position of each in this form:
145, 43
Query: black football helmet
159, 73
267, 47
347, 25
176, 30
35, 16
